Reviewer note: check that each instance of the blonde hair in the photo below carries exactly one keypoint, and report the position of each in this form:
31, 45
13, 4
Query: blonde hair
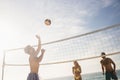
27, 48
76, 63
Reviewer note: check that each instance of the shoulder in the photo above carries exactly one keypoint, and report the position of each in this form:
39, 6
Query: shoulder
109, 59
72, 68
101, 61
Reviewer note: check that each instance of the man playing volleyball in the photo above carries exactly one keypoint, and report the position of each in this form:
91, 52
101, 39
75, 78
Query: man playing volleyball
34, 60
110, 67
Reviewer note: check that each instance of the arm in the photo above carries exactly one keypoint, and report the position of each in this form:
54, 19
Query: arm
41, 56
80, 69
73, 70
102, 67
114, 66
39, 45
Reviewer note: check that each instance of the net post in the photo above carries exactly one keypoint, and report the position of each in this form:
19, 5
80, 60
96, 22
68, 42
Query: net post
3, 65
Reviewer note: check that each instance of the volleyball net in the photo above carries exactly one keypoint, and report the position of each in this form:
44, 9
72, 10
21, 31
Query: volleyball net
85, 48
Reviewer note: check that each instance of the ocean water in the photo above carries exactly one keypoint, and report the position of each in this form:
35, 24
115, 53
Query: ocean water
91, 76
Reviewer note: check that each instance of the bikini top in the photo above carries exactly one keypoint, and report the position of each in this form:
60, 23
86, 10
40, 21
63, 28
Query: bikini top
76, 70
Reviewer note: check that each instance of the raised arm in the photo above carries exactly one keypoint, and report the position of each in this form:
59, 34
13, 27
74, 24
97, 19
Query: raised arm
39, 45
41, 56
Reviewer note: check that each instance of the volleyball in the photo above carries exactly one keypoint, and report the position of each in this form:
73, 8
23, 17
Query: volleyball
47, 22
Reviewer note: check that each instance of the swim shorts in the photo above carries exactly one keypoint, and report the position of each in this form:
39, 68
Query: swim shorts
110, 75
33, 76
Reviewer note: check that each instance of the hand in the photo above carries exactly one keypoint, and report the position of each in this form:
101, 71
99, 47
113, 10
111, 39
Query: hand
42, 50
103, 73
114, 72
38, 37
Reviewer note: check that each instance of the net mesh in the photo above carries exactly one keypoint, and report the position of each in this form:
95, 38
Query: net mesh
77, 47
86, 48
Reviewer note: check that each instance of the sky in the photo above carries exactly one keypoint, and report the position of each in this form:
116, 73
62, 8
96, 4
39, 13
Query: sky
21, 20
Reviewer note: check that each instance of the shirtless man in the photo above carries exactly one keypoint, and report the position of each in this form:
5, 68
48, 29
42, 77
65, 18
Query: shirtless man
77, 71
34, 60
106, 64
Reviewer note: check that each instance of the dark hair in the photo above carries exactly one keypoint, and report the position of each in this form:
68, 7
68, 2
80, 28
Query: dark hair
103, 53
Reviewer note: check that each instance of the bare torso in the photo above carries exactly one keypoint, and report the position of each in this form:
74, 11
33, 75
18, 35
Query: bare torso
34, 64
107, 64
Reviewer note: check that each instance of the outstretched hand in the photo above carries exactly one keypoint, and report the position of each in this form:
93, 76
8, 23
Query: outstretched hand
38, 37
42, 50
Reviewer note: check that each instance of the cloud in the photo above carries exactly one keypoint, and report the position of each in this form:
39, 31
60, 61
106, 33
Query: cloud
83, 12
107, 3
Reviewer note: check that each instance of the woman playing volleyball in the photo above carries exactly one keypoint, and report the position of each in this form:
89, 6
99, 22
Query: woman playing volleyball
77, 71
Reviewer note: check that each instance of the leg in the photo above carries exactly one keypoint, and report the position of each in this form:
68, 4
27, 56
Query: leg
107, 75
